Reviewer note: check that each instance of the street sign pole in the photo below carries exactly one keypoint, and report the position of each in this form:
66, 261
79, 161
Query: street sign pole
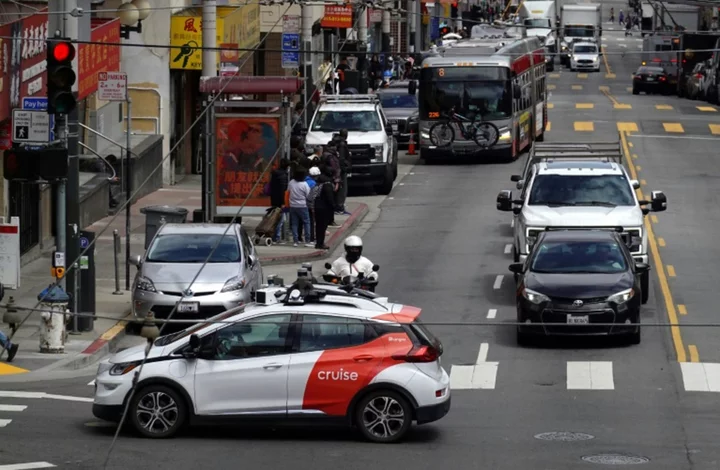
128, 185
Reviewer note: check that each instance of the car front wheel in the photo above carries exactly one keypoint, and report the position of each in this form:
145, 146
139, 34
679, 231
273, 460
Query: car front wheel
383, 416
157, 411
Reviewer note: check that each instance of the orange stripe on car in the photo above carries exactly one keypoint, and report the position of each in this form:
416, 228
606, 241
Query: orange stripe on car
407, 314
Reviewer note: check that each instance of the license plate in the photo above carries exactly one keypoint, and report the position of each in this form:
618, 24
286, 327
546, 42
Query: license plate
188, 307
650, 79
394, 127
349, 175
573, 320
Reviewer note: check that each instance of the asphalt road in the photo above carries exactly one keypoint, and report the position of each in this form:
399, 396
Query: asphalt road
442, 246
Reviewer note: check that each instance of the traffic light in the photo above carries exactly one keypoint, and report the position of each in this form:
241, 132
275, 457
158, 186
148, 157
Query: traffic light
454, 10
30, 165
61, 76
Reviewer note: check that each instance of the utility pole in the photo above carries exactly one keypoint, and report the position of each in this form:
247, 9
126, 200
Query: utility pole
306, 22
362, 64
409, 25
417, 10
209, 37
386, 30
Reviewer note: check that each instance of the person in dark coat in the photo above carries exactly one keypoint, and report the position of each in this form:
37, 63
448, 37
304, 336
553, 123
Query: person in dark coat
345, 169
324, 208
278, 187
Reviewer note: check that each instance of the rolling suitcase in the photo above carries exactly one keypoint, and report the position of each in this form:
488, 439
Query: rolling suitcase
265, 230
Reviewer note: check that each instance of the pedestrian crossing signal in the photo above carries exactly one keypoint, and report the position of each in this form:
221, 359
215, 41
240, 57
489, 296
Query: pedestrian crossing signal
61, 76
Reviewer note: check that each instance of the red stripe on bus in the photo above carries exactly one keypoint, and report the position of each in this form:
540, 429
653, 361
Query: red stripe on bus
8, 229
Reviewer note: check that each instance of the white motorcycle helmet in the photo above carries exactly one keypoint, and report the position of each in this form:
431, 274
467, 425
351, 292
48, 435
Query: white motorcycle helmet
353, 248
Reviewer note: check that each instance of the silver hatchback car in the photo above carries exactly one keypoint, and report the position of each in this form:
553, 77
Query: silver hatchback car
172, 261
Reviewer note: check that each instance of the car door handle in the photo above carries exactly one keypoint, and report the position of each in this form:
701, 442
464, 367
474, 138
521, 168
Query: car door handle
363, 358
272, 366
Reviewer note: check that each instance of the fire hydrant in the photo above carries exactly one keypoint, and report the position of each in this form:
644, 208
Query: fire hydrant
54, 302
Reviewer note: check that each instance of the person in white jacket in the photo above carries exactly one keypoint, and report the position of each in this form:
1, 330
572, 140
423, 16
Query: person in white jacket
353, 262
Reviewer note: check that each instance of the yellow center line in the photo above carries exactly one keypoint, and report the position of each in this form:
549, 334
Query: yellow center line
694, 355
664, 286
609, 73
616, 104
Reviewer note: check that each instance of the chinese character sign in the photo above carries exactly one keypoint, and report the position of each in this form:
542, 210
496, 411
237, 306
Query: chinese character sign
94, 58
337, 17
245, 145
186, 39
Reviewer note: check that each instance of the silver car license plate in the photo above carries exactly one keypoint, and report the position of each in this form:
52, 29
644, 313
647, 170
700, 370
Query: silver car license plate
650, 79
574, 320
188, 307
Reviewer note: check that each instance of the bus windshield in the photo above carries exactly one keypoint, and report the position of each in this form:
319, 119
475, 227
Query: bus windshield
483, 92
579, 31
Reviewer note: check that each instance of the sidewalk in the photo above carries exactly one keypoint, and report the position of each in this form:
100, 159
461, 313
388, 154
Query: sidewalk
83, 349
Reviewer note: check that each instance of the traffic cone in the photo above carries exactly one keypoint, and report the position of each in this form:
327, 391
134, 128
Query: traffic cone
411, 146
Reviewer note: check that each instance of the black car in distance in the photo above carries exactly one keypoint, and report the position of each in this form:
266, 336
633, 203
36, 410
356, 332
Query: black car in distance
650, 79
579, 282
402, 110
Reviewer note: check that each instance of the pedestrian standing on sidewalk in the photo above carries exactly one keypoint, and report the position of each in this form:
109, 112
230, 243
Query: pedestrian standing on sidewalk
278, 187
621, 18
298, 191
8, 345
345, 170
332, 161
324, 205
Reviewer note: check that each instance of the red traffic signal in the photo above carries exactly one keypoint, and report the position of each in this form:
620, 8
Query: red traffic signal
63, 51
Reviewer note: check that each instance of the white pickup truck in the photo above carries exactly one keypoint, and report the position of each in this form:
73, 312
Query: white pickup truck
579, 185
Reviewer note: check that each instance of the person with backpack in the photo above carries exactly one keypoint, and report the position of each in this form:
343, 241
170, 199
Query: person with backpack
322, 199
345, 169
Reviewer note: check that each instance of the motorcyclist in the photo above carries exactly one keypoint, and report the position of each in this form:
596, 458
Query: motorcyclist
353, 262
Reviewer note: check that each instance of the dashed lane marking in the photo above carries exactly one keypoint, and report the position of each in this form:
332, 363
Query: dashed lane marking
554, 75
714, 129
584, 126
622, 106
4, 422
661, 241
670, 270
492, 313
13, 407
508, 249
27, 466
498, 281
37, 395
577, 87
707, 109
701, 377
551, 105
551, 87
682, 310
582, 76
584, 105
590, 375
548, 126
694, 354
627, 126
481, 375
663, 107
674, 127
629, 89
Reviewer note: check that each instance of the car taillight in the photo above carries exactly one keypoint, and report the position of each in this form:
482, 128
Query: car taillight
419, 354
638, 77
662, 79
698, 76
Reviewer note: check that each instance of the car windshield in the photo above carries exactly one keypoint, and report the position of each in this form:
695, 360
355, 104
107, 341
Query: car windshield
398, 100
585, 50
642, 70
570, 257
171, 338
353, 121
581, 190
194, 248
579, 31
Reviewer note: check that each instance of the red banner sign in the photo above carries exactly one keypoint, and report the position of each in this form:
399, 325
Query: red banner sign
95, 58
337, 17
245, 145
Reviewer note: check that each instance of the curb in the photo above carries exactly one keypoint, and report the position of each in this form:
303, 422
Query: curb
335, 239
104, 345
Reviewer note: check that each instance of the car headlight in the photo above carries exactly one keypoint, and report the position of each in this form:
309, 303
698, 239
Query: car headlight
378, 152
123, 368
531, 237
622, 297
233, 284
145, 284
564, 48
504, 134
425, 135
534, 297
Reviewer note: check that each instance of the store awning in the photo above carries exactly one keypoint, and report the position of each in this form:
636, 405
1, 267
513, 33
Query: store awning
250, 85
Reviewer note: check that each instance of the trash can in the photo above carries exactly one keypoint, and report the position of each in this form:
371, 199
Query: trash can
155, 216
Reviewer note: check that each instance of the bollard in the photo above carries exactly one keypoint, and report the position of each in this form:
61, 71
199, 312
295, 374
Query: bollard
116, 252
52, 328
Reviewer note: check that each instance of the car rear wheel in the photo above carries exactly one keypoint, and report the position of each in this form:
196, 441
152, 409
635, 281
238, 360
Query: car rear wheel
157, 411
383, 416
636, 91
645, 287
636, 337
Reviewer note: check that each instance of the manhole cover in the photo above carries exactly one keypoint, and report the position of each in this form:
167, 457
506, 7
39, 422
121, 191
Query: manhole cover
564, 436
615, 459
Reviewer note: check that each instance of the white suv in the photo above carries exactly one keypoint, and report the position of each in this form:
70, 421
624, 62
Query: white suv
371, 142
585, 56
592, 194
298, 352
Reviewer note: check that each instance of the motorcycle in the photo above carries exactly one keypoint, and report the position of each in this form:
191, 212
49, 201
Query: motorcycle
357, 282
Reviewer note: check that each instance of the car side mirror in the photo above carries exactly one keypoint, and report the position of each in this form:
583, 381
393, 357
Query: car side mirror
135, 260
516, 268
194, 342
376, 267
412, 87
516, 178
251, 260
504, 201
658, 201
642, 267
635, 184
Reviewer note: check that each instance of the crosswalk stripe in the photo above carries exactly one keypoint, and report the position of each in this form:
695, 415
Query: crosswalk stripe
584, 126
707, 109
663, 107
627, 126
4, 422
700, 377
13, 407
551, 105
674, 127
577, 87
27, 466
590, 375
584, 105
554, 75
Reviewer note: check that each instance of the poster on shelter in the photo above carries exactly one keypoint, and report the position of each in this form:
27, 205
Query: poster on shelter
245, 145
